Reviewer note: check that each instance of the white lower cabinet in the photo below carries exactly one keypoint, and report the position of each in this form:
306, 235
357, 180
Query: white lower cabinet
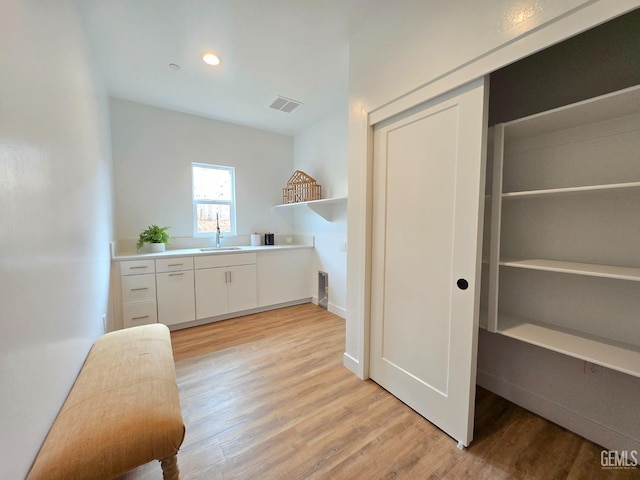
212, 297
182, 289
243, 293
175, 290
175, 297
138, 290
139, 314
225, 284
284, 276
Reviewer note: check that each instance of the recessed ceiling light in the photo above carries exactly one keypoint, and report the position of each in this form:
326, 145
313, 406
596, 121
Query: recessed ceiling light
210, 58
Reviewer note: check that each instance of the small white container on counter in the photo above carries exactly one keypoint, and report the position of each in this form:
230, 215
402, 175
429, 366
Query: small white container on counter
255, 239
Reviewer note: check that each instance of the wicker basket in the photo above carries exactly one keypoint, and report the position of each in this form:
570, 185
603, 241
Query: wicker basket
301, 188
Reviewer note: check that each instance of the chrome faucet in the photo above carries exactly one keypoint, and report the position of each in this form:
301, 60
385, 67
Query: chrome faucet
218, 234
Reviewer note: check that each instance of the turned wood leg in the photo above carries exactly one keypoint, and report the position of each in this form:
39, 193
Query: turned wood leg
170, 468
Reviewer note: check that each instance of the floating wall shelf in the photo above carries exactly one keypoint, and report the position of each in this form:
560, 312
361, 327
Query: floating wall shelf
323, 207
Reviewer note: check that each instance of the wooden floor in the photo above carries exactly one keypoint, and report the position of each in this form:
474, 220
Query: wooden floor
266, 397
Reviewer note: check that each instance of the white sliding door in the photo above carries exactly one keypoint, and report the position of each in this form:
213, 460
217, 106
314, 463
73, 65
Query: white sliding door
429, 167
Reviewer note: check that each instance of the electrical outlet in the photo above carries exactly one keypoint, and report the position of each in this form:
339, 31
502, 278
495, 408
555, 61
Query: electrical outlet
593, 369
104, 322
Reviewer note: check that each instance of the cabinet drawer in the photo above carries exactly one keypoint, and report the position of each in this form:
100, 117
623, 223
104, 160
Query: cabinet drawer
174, 264
218, 260
139, 314
138, 288
137, 267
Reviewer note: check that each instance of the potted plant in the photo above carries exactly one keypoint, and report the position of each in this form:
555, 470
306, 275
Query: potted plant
156, 236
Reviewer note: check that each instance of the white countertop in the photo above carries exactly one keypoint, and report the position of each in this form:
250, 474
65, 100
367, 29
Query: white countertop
207, 251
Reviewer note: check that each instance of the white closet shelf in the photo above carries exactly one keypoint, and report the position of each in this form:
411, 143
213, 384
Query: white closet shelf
588, 148
610, 354
572, 190
613, 105
588, 269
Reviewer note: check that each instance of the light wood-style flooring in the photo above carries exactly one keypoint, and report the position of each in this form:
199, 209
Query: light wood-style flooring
266, 397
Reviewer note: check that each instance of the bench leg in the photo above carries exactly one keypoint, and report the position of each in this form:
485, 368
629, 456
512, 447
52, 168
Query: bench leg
170, 468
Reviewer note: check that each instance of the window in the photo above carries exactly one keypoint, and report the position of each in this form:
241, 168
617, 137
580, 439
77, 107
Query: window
213, 199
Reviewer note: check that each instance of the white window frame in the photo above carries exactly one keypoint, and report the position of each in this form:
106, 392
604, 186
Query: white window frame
231, 203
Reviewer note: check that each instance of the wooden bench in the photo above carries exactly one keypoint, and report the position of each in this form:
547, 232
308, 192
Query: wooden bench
122, 411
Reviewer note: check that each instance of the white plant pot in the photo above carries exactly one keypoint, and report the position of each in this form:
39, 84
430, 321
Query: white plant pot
157, 247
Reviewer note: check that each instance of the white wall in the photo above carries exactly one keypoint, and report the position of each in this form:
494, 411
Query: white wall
152, 153
321, 151
55, 215
428, 49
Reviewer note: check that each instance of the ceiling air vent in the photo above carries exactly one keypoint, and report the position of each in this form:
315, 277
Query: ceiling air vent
285, 104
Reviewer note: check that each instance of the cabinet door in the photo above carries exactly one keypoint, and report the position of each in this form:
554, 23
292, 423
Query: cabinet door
175, 297
427, 221
211, 292
243, 293
284, 276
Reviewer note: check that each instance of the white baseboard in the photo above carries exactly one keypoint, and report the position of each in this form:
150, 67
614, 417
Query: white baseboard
585, 427
333, 308
351, 363
339, 311
203, 321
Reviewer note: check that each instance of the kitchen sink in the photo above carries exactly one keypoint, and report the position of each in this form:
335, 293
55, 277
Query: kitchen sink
219, 249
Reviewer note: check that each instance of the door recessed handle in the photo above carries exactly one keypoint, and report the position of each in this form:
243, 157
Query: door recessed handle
462, 284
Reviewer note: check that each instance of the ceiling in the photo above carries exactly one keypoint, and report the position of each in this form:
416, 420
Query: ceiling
293, 48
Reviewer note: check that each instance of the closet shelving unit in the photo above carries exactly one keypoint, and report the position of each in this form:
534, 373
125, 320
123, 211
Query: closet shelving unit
564, 244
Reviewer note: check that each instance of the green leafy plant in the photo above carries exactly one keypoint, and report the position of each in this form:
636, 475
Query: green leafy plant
153, 234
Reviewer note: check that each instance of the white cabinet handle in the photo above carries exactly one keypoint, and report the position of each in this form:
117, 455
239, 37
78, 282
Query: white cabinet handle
176, 274
230, 277
140, 318
138, 289
137, 268
175, 264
